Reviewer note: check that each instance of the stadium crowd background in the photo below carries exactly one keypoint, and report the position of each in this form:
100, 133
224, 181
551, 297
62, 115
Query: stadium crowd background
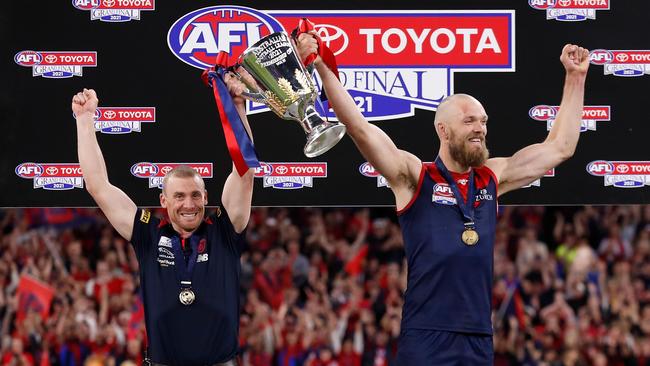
324, 287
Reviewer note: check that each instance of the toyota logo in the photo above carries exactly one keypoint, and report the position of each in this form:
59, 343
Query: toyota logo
622, 57
564, 3
52, 170
109, 114
166, 169
333, 37
50, 59
622, 169
108, 3
281, 169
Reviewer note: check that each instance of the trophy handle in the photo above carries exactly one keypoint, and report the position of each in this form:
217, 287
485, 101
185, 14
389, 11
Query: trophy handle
252, 93
255, 97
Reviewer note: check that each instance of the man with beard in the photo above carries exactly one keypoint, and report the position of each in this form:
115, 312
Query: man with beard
189, 264
447, 210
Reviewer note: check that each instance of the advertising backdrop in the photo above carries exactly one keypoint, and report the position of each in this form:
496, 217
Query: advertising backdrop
145, 57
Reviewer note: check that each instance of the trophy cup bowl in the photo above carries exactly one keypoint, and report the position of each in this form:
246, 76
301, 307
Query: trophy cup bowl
283, 84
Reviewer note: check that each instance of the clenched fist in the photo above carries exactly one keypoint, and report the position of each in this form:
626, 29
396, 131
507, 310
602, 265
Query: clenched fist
575, 59
85, 102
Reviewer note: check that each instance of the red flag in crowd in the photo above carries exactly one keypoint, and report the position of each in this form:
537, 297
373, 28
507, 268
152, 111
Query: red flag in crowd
33, 295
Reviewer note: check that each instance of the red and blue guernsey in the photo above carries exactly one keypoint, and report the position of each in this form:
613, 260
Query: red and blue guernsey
190, 289
449, 246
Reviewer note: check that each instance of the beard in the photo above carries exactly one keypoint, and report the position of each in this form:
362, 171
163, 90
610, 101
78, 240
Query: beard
466, 155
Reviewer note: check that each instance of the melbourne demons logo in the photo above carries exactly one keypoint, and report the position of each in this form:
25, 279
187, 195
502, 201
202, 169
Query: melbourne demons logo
570, 10
56, 64
121, 120
391, 62
538, 182
621, 174
626, 63
290, 175
52, 176
155, 172
114, 10
590, 115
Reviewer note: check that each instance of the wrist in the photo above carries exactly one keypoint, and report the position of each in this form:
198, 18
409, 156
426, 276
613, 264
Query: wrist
86, 115
576, 76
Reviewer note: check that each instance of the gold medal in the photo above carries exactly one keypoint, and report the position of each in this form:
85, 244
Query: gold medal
470, 237
187, 296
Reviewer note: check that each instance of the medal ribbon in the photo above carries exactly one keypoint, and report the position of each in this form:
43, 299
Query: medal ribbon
466, 208
241, 149
183, 271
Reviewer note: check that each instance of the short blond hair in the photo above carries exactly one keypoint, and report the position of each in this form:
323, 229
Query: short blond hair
182, 171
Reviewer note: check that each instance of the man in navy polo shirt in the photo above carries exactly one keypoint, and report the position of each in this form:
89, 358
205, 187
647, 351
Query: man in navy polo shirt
447, 210
189, 265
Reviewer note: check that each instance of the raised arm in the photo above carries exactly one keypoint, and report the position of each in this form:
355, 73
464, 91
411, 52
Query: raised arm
116, 205
533, 161
400, 168
238, 191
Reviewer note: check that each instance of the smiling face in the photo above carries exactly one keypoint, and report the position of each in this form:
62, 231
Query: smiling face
184, 197
461, 123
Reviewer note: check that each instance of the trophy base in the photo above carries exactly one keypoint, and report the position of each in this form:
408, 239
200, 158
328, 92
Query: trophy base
323, 138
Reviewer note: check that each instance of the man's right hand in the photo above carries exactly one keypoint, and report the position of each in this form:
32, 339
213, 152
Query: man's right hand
85, 102
307, 45
236, 86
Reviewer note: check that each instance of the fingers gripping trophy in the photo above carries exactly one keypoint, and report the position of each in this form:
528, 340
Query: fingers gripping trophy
276, 77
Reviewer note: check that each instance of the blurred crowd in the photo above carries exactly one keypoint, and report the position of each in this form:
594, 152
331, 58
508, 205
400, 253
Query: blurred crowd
324, 287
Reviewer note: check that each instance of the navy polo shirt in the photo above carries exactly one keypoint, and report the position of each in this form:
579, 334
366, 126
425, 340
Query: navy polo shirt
205, 332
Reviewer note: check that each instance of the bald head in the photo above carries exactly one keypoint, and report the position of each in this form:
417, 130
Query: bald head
460, 123
451, 108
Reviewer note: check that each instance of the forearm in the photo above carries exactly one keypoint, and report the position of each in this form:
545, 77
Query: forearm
340, 100
91, 159
566, 127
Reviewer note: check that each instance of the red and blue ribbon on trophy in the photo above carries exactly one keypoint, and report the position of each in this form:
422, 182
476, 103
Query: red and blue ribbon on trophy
240, 146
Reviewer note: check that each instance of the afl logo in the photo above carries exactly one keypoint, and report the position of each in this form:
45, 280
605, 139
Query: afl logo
264, 170
197, 37
541, 4
29, 170
443, 194
85, 4
600, 168
600, 57
542, 113
144, 170
28, 58
334, 37
368, 170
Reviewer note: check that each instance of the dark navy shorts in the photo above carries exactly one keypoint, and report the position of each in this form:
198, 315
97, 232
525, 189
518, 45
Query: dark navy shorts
420, 347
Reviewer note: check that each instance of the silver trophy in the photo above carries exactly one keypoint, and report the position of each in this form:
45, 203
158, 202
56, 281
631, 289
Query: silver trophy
283, 84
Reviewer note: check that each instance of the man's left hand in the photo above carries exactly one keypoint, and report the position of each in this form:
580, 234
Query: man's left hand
575, 59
